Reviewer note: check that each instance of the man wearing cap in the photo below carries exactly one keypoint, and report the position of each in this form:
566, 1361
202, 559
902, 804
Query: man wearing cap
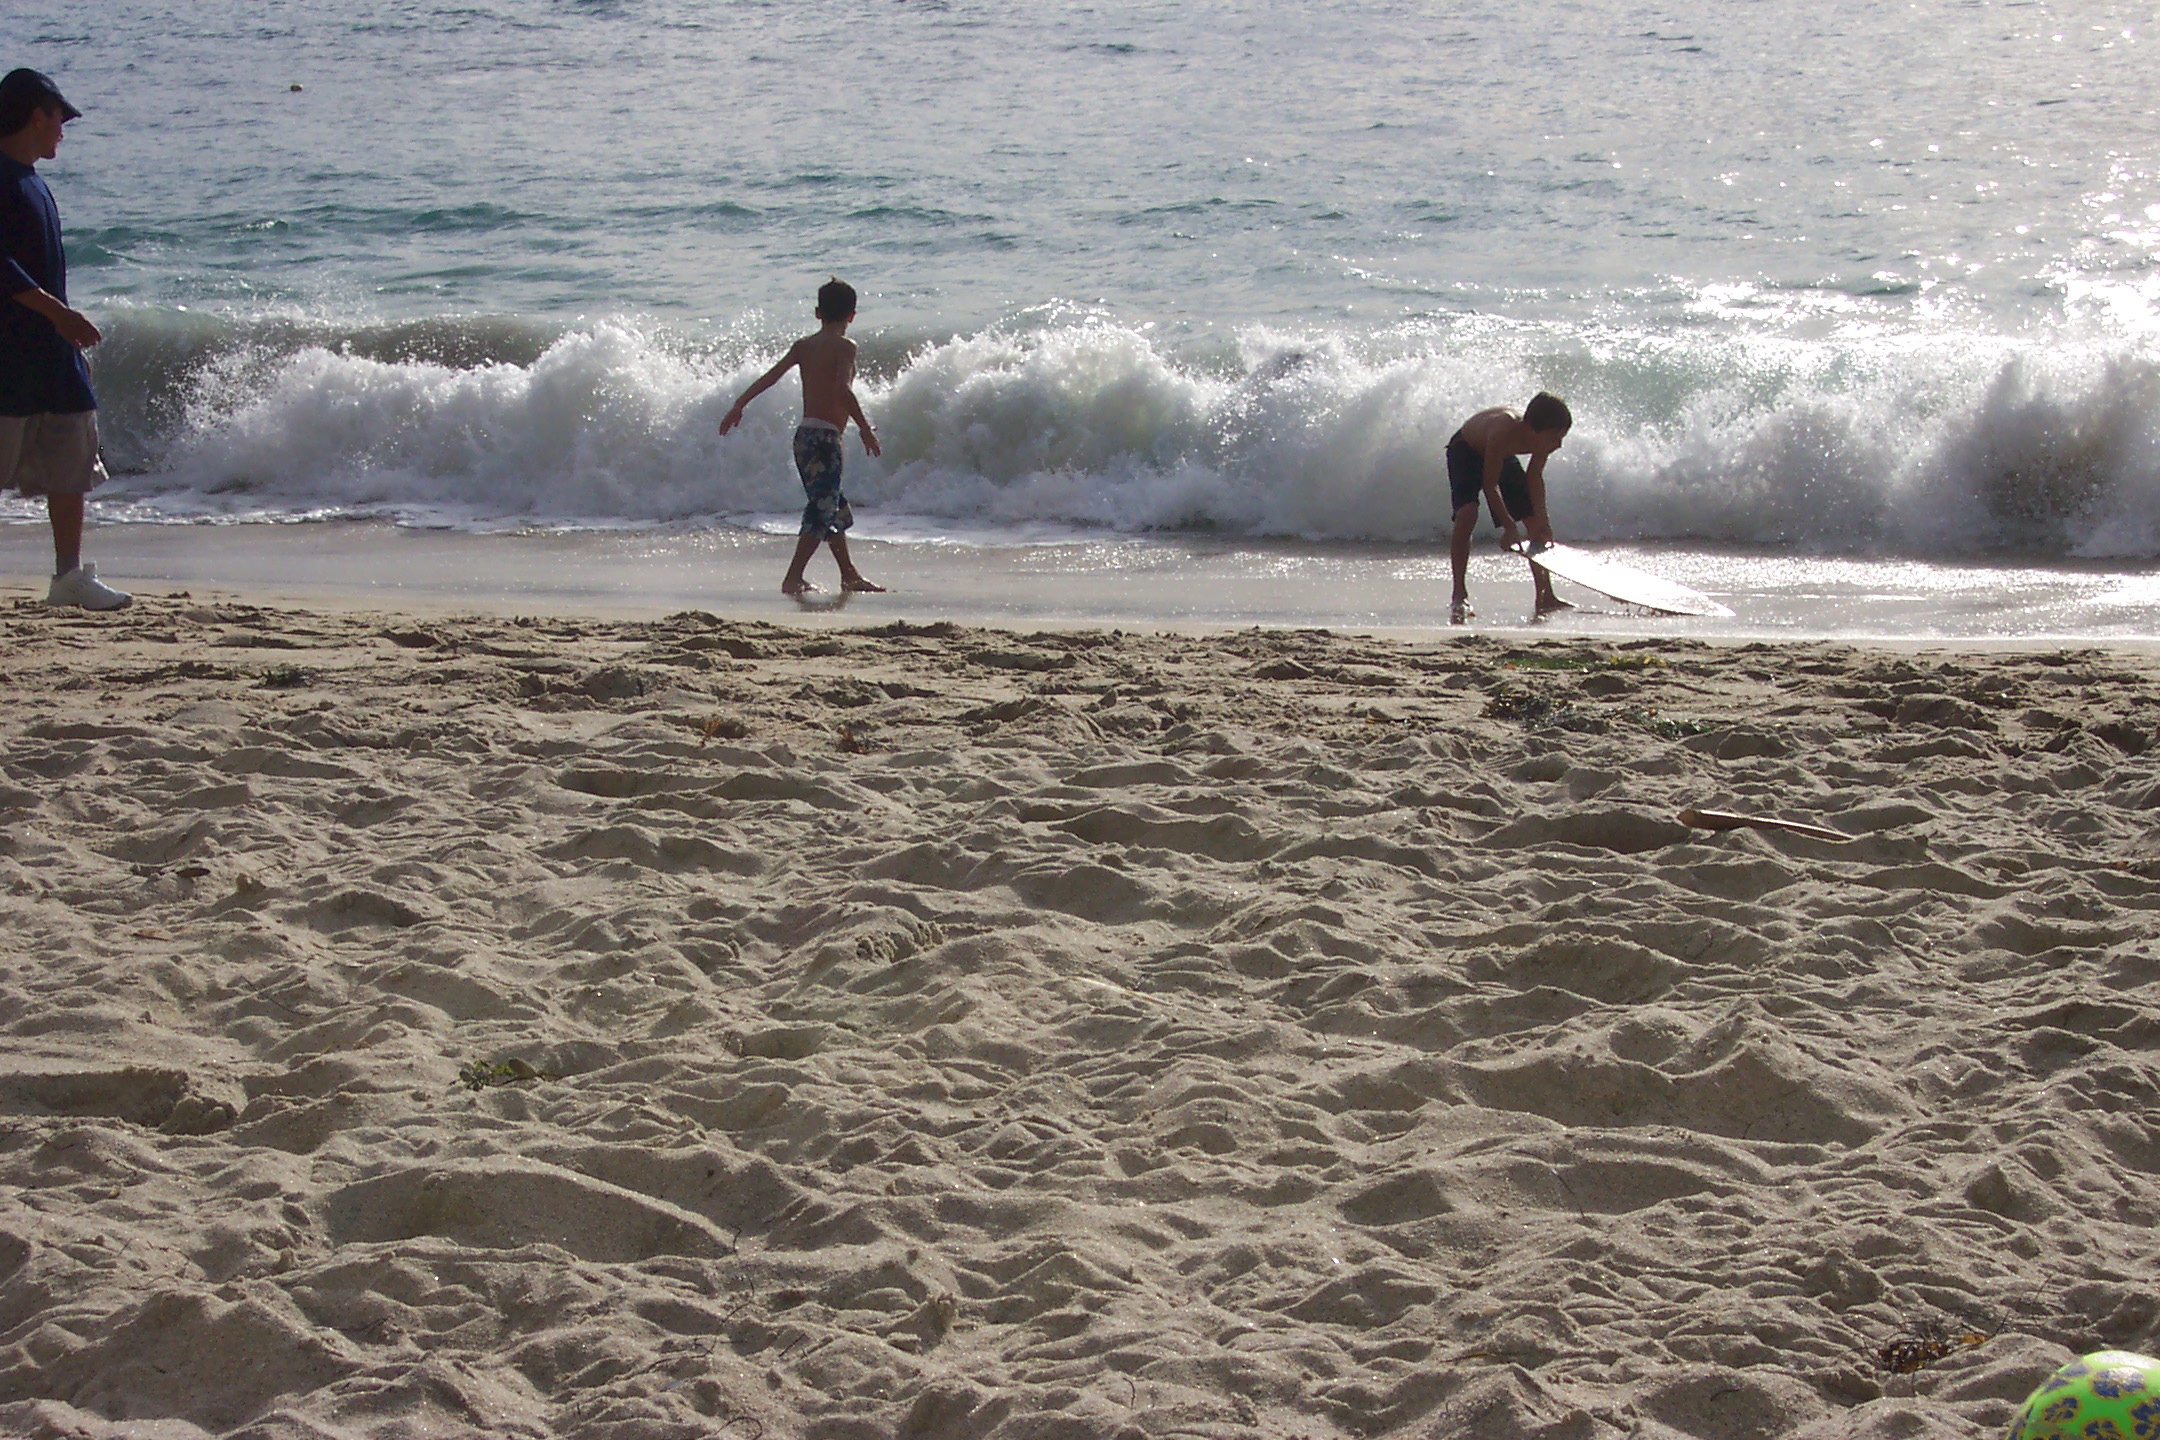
48, 413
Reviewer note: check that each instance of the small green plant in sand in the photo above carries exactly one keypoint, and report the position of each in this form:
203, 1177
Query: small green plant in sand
1536, 711
1665, 727
1584, 662
479, 1075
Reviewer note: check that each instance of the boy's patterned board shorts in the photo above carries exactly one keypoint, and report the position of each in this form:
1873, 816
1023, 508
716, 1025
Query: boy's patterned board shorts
50, 454
817, 459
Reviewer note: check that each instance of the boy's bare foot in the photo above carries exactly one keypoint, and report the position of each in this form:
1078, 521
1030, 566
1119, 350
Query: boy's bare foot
797, 587
857, 583
1460, 612
1552, 603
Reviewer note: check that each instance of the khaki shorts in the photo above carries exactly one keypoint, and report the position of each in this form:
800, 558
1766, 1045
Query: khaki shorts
50, 454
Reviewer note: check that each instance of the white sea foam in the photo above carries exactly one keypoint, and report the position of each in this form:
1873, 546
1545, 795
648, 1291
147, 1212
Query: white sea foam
1922, 444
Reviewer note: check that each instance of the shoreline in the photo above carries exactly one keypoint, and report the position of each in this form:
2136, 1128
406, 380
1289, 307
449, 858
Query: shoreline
1148, 583
526, 1025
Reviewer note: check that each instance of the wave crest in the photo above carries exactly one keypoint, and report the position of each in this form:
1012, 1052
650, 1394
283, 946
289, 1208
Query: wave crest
1950, 443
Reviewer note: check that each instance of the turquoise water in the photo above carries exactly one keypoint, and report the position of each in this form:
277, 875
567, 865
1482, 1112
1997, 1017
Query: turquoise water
1874, 283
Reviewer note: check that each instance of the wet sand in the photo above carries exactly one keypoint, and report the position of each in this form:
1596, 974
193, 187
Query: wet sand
1147, 582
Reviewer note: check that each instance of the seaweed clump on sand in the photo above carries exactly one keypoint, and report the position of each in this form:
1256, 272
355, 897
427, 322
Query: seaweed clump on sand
1535, 710
479, 1075
1922, 1343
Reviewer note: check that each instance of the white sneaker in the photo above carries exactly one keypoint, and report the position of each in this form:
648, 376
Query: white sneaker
81, 586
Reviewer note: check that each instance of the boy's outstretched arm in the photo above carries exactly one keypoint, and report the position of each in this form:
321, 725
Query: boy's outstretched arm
1539, 519
759, 386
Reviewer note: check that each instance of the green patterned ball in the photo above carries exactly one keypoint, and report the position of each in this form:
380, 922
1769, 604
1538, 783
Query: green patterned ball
2108, 1395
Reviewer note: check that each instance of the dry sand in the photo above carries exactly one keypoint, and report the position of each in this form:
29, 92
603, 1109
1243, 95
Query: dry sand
949, 1033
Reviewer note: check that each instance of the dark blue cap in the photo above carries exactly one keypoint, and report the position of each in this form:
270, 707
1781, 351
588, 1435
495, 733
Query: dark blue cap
22, 91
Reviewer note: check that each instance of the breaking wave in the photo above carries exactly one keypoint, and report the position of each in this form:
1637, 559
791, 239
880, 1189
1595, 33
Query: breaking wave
1869, 442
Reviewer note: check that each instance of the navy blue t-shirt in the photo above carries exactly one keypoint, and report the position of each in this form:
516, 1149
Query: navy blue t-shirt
40, 373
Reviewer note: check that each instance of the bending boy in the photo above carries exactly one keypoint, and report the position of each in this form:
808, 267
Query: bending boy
827, 362
1481, 462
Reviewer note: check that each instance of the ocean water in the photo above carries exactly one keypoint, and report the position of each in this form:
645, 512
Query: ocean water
1862, 285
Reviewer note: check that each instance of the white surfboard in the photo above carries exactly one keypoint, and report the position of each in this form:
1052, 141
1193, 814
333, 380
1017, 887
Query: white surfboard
1621, 582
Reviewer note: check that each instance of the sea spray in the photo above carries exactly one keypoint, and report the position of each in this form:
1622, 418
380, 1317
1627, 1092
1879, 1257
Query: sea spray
1863, 442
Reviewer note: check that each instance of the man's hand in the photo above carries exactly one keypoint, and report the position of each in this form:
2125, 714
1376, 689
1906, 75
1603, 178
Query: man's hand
1513, 535
73, 325
1540, 530
869, 441
76, 329
732, 419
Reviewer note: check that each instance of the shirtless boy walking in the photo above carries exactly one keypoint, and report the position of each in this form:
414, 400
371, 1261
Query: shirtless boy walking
827, 361
1481, 463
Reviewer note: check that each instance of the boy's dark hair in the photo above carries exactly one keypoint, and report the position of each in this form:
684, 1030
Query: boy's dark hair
835, 300
1549, 413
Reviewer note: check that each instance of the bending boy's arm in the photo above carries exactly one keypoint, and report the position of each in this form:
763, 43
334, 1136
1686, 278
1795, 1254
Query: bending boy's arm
759, 386
1495, 462
1540, 519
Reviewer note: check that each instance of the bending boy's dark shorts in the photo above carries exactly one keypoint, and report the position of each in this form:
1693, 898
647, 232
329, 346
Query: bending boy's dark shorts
1466, 481
817, 459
